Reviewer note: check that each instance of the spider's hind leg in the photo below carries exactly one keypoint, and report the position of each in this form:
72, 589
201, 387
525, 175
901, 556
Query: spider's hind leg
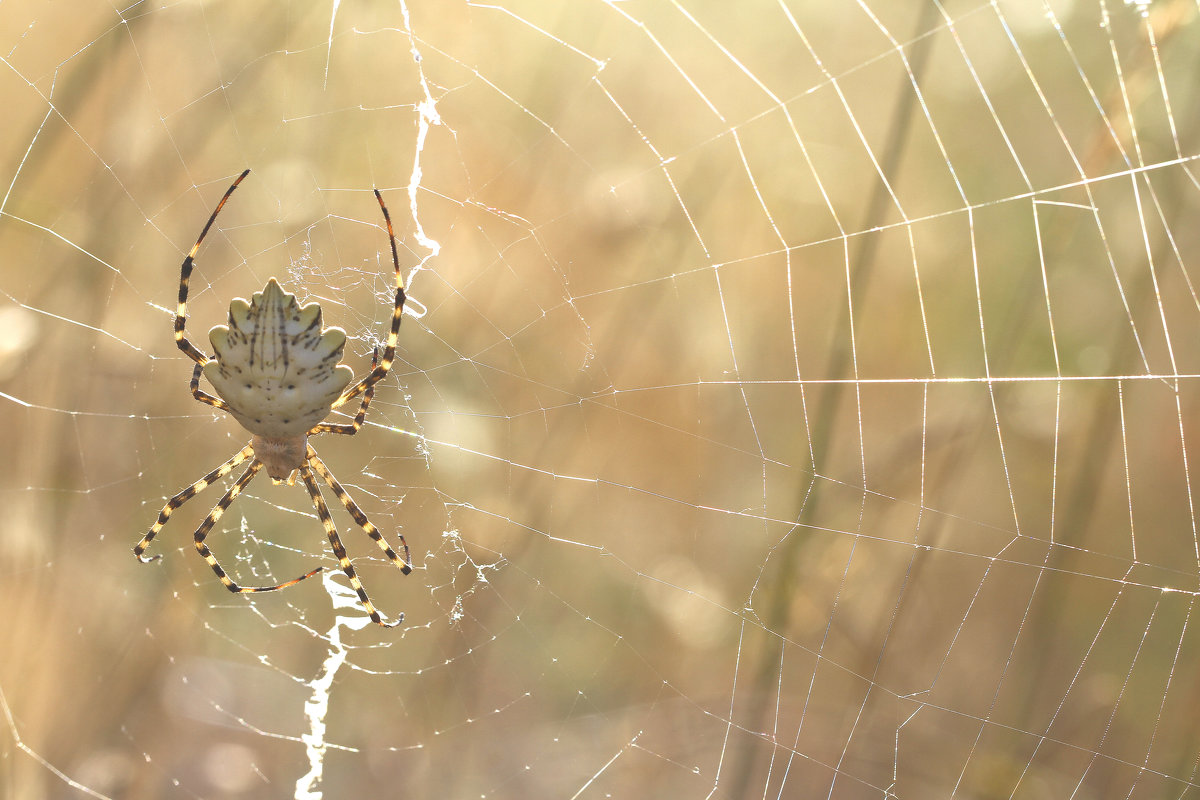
203, 396
382, 367
351, 428
185, 274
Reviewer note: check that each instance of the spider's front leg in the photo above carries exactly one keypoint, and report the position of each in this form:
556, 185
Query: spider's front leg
339, 549
403, 564
187, 494
212, 519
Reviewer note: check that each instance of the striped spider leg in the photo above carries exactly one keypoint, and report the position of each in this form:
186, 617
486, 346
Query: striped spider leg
277, 371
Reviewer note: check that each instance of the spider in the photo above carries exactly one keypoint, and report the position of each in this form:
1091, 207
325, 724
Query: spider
277, 370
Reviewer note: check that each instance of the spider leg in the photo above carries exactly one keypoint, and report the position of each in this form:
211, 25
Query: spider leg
379, 370
185, 274
351, 428
187, 494
211, 520
338, 549
360, 519
202, 396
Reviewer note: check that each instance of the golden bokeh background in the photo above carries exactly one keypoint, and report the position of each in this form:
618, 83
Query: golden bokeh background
796, 399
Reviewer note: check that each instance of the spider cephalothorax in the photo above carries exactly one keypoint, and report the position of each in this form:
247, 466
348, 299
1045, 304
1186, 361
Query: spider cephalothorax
277, 370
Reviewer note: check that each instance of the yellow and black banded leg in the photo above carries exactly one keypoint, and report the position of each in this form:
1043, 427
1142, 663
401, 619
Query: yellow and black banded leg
350, 428
185, 274
378, 371
360, 519
187, 494
202, 396
211, 520
340, 551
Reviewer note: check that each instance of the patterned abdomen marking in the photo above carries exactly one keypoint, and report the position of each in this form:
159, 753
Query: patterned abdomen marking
275, 366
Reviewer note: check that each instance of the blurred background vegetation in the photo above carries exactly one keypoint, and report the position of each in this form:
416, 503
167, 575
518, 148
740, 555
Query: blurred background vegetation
797, 399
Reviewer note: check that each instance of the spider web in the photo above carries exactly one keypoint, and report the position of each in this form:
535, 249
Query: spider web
794, 400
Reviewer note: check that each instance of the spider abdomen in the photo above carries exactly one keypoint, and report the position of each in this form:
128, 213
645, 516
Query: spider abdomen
275, 365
